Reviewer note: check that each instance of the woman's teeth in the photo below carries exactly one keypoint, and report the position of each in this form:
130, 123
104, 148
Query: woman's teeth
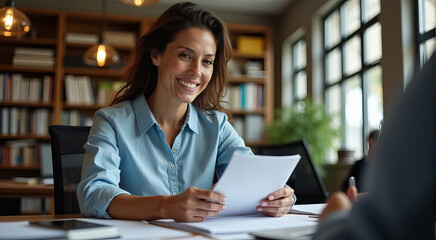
188, 85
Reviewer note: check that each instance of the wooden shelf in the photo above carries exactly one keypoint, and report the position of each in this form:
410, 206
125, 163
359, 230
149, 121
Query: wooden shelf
81, 107
20, 167
10, 68
102, 72
246, 79
29, 41
26, 104
245, 112
247, 55
27, 136
85, 46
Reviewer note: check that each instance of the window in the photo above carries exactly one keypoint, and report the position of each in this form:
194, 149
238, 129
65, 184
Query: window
352, 72
426, 39
299, 76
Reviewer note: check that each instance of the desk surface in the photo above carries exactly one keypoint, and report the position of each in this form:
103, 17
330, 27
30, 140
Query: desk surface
10, 189
35, 218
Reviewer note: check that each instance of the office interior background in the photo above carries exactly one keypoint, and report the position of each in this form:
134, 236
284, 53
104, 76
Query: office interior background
355, 57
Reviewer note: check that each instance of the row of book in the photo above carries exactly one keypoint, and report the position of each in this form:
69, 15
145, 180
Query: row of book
17, 88
81, 90
247, 96
20, 153
23, 121
75, 118
33, 57
238, 68
250, 127
118, 38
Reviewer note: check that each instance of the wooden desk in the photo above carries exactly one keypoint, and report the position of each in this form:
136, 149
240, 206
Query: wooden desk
10, 189
35, 218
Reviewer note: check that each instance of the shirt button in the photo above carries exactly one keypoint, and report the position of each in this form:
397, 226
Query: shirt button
172, 165
174, 150
174, 193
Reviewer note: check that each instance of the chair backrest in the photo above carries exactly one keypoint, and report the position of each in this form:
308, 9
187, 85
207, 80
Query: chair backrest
67, 156
305, 180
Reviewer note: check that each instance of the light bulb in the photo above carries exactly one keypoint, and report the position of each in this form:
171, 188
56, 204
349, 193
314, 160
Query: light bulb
13, 22
138, 2
101, 55
9, 19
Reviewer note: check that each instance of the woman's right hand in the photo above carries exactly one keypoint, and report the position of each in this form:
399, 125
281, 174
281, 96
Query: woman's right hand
194, 205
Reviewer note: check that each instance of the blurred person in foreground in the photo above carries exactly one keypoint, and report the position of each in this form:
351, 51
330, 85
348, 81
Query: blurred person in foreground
401, 181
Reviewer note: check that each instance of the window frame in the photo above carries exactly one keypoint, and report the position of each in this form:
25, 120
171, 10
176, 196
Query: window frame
295, 70
344, 77
421, 38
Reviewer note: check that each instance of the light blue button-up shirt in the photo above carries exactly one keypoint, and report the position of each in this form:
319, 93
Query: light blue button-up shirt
126, 153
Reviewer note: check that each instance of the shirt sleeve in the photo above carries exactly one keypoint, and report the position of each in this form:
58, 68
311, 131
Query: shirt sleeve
100, 169
229, 142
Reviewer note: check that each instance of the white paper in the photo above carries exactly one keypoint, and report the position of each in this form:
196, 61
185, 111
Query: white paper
241, 224
248, 179
126, 229
139, 229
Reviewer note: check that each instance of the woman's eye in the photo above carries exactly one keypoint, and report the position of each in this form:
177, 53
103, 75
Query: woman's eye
208, 62
184, 55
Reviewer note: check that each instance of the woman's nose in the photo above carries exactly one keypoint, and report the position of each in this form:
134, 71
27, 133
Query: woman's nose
195, 68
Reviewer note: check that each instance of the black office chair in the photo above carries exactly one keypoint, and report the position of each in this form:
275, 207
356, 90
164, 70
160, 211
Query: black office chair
67, 156
305, 180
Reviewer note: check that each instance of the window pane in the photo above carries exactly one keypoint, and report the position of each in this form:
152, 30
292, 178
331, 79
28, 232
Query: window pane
426, 50
333, 66
350, 17
372, 43
353, 115
299, 55
352, 61
373, 81
430, 15
332, 30
301, 85
333, 105
371, 8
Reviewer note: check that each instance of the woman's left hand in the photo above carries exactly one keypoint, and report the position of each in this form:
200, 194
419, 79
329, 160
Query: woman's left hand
277, 203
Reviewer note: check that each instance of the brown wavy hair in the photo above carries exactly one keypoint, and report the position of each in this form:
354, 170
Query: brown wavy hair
141, 75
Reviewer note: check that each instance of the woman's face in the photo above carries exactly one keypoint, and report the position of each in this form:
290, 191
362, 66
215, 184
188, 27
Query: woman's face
186, 66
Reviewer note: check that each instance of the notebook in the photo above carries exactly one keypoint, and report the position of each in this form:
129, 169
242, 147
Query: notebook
77, 229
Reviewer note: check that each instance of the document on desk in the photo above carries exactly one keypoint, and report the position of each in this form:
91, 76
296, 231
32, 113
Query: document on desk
240, 224
126, 230
248, 179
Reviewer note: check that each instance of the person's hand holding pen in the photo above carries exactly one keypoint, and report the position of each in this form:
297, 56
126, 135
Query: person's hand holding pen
352, 192
340, 201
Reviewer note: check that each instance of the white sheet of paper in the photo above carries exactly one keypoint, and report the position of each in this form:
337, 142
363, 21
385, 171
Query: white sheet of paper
126, 229
249, 179
241, 223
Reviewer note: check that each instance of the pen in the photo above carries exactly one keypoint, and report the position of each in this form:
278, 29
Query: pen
352, 189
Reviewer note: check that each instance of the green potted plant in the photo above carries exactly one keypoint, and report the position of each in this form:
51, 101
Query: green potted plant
305, 121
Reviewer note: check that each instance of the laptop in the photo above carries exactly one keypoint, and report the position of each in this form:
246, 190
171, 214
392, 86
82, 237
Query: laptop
305, 180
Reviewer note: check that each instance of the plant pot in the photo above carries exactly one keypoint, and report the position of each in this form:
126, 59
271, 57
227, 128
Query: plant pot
345, 156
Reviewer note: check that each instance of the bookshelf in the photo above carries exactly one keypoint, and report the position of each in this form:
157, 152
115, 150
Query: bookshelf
64, 37
250, 88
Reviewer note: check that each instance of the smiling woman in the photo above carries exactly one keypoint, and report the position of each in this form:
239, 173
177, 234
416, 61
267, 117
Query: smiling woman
154, 152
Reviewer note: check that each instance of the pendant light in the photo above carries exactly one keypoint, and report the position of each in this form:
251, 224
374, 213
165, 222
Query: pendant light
101, 54
13, 22
140, 3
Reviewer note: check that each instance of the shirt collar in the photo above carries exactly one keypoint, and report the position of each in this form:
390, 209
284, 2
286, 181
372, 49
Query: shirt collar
192, 118
145, 118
